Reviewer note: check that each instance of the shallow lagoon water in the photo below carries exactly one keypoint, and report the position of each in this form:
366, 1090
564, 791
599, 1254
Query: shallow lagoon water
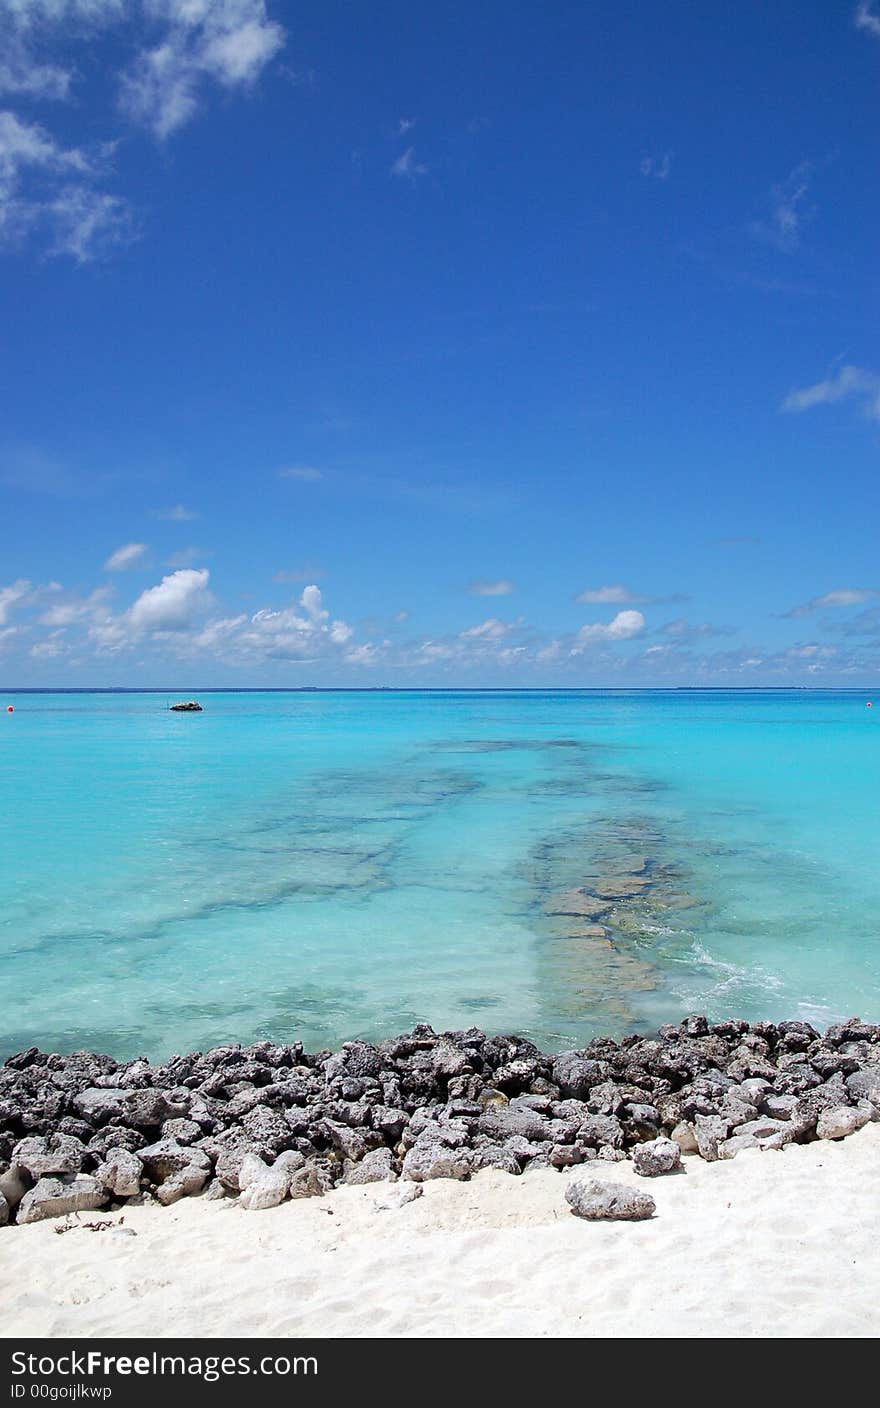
336, 864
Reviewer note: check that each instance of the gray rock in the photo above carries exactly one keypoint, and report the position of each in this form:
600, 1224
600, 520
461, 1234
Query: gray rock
448, 1060
503, 1121
780, 1107
120, 1173
98, 1105
710, 1131
183, 1184
13, 1185
53, 1153
729, 1148
576, 1074
114, 1136
656, 1156
57, 1196
145, 1109
229, 1152
5, 1211
165, 1158
268, 1128
353, 1144
865, 1085
685, 1137
182, 1131
214, 1192
251, 1169
497, 1156
390, 1121
600, 1130
770, 1134
375, 1167
430, 1159
309, 1182
846, 1119
566, 1155
597, 1200
271, 1186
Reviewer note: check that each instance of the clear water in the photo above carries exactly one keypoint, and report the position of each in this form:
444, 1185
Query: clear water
326, 865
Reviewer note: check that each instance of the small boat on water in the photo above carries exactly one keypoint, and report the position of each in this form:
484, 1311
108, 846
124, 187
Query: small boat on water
189, 706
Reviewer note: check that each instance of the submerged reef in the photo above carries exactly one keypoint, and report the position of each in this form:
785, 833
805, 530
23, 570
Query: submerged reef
271, 1121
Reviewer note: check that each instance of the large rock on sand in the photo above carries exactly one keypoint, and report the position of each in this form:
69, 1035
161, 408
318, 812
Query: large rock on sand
56, 1197
598, 1201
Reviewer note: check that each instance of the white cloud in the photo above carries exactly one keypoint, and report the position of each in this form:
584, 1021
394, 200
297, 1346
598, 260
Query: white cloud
173, 605
182, 47
493, 629
311, 602
407, 167
125, 558
657, 167
12, 596
841, 596
849, 383
866, 19
88, 223
177, 514
616, 595
20, 75
624, 626
307, 472
227, 41
43, 184
299, 633
72, 610
482, 588
788, 213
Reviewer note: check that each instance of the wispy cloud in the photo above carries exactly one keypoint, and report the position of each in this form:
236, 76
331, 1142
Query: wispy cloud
307, 573
619, 595
47, 187
659, 168
788, 214
407, 167
13, 595
480, 587
867, 19
187, 557
841, 596
847, 384
178, 513
493, 629
681, 630
228, 42
306, 472
129, 556
181, 48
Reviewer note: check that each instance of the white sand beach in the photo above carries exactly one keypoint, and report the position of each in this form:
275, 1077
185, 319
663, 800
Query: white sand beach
771, 1244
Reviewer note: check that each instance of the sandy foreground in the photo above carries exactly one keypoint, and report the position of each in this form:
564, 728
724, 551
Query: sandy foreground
771, 1244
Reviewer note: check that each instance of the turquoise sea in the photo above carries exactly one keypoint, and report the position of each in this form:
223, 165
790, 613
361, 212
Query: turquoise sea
324, 865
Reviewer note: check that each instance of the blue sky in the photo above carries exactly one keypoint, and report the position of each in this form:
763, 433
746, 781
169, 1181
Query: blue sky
491, 344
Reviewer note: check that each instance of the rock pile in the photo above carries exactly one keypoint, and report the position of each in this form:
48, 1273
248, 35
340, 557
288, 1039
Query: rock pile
269, 1121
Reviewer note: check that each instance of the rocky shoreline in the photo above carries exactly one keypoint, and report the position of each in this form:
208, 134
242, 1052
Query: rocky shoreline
269, 1121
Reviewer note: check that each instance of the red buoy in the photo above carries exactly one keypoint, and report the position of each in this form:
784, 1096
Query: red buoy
9, 709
